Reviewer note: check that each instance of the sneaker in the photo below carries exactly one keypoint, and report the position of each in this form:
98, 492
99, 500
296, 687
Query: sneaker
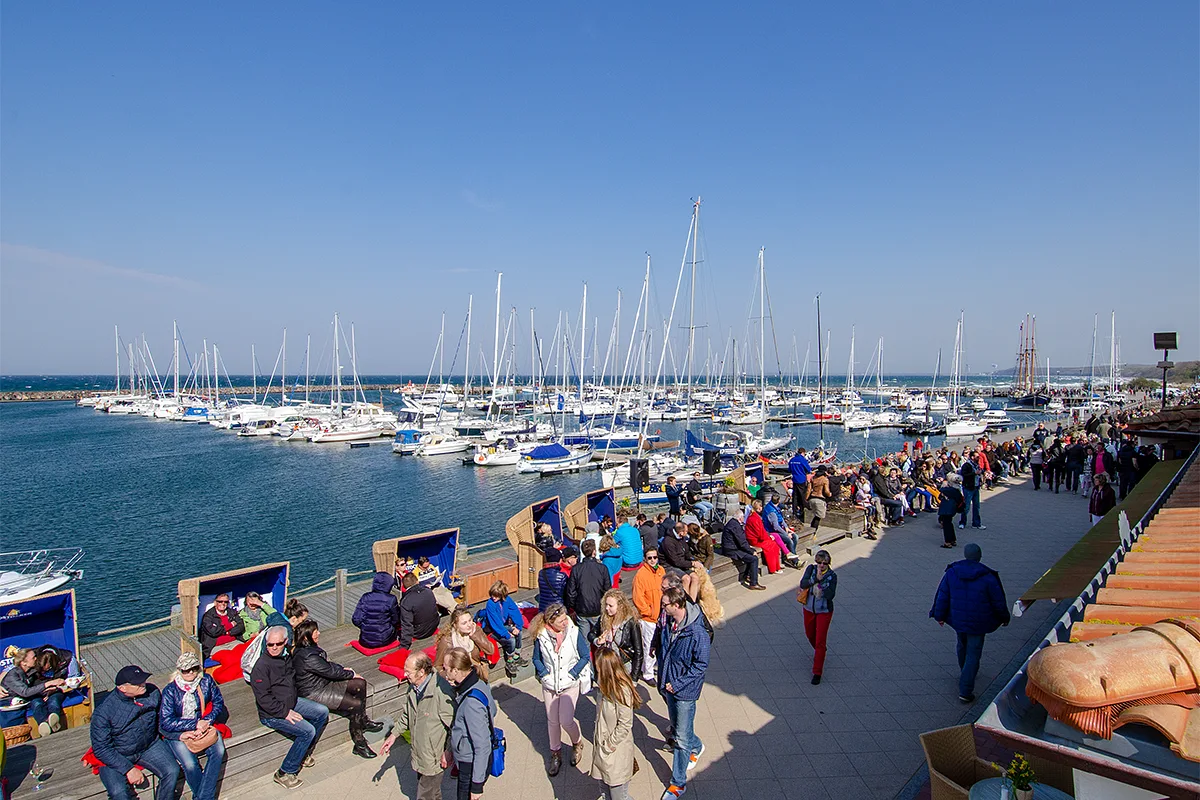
962, 526
55, 723
756, 587
966, 699
980, 527
43, 729
694, 758
308, 762
673, 792
288, 780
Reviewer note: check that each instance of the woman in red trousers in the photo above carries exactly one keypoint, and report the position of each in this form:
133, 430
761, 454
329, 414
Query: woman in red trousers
757, 536
821, 583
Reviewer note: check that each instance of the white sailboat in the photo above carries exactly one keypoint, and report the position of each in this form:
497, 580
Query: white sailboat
956, 425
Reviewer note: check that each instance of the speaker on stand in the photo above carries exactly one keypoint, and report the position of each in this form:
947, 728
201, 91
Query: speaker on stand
639, 478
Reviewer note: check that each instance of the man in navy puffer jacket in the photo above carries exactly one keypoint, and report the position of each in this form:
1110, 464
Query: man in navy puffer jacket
377, 614
971, 599
124, 734
552, 582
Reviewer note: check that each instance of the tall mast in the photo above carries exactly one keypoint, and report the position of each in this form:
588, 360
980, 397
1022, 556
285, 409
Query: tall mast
820, 377
762, 341
335, 399
175, 336
307, 351
467, 360
582, 346
532, 355
496, 342
253, 373
283, 372
692, 313
1112, 355
1092, 364
117, 376
216, 377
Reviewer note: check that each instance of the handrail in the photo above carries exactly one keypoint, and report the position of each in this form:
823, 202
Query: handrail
308, 589
124, 628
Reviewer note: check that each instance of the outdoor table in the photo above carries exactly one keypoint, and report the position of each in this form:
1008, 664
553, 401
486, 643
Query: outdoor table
989, 789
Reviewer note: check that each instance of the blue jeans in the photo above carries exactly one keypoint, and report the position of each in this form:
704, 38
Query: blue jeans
703, 508
682, 714
202, 782
588, 626
971, 501
158, 760
970, 651
305, 732
509, 644
914, 493
40, 708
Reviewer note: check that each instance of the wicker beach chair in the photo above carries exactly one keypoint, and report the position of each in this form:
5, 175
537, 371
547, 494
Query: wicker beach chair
953, 764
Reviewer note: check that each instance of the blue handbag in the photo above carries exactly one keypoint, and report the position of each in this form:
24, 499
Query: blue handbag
496, 762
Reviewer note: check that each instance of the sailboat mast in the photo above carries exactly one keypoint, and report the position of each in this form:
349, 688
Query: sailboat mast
692, 313
467, 360
117, 375
253, 374
283, 373
216, 377
307, 351
175, 336
582, 348
1112, 355
496, 341
820, 377
335, 399
762, 341
532, 355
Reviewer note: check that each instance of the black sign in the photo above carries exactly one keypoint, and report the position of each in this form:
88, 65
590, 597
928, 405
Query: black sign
1166, 341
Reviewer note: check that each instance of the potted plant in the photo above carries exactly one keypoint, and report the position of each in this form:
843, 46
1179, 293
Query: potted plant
729, 486
625, 503
1021, 777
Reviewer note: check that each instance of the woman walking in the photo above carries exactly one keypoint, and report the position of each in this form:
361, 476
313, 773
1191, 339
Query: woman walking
471, 731
342, 691
189, 712
950, 504
1103, 498
562, 662
620, 630
613, 761
820, 582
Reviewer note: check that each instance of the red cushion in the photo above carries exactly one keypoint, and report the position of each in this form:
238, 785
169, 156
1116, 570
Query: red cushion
494, 658
229, 663
529, 614
372, 651
393, 663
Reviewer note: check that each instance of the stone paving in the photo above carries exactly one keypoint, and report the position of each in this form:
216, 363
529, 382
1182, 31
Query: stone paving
891, 674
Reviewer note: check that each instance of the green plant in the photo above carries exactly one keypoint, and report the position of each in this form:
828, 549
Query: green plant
1020, 773
625, 503
729, 483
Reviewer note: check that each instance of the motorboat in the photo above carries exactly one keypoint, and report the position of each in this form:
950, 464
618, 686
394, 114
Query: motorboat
965, 427
939, 404
1055, 407
346, 431
259, 427
406, 441
441, 444
828, 413
979, 404
30, 573
996, 418
555, 457
755, 415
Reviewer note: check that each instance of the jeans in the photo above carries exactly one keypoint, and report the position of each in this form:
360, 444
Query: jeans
158, 760
560, 715
509, 644
914, 493
306, 732
682, 714
588, 626
971, 498
747, 567
202, 782
649, 662
1036, 469
620, 792
703, 509
894, 508
970, 650
40, 708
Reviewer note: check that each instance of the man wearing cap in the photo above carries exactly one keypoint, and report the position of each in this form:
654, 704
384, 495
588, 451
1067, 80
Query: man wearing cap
124, 733
971, 599
280, 708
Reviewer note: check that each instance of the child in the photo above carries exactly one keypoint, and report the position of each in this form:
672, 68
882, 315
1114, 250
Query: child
502, 620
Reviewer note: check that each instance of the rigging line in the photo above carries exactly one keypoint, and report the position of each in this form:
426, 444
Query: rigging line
774, 338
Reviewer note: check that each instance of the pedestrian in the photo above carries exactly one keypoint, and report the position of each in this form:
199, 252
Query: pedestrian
950, 503
620, 630
124, 735
800, 469
613, 759
280, 707
191, 705
738, 550
1103, 498
471, 730
586, 585
971, 480
562, 662
817, 589
647, 598
552, 581
971, 599
427, 715
819, 496
1036, 461
683, 651
674, 493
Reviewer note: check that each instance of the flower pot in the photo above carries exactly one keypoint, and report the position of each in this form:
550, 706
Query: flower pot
1022, 794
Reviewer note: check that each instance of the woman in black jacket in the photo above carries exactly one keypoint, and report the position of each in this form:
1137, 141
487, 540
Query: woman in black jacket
620, 631
341, 690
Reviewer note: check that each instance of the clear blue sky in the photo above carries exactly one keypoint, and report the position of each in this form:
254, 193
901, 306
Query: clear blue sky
245, 167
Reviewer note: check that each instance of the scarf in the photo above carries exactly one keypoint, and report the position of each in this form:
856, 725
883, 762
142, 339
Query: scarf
191, 695
465, 642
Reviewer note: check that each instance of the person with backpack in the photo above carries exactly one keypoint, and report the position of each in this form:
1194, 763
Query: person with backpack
971, 480
471, 741
427, 716
950, 502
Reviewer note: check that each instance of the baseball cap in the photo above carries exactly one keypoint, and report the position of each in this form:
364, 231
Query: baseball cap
132, 674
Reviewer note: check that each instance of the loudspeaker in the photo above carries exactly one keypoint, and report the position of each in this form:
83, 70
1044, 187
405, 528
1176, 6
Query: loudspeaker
639, 473
712, 462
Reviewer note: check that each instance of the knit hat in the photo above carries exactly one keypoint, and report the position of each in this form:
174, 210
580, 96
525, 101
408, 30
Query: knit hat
972, 552
188, 660
552, 556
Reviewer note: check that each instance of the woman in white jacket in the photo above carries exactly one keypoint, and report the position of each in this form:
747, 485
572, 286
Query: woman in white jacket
562, 662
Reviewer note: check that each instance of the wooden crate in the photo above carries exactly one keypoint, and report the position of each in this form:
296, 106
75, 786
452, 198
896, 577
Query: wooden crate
480, 577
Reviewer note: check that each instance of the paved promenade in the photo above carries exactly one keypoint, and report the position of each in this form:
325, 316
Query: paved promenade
891, 674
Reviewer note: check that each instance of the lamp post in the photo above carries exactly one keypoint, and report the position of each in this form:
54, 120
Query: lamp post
1165, 342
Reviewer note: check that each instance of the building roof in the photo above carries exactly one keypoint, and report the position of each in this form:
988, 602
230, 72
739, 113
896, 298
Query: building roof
1185, 419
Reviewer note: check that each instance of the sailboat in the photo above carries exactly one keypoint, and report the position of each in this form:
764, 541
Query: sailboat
956, 425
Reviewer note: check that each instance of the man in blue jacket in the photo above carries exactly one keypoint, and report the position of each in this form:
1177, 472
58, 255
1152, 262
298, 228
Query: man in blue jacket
124, 734
971, 599
800, 469
377, 614
683, 649
552, 581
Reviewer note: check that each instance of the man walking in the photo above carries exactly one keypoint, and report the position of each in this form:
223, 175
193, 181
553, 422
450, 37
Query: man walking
971, 599
800, 469
427, 716
683, 650
647, 598
273, 681
971, 480
586, 586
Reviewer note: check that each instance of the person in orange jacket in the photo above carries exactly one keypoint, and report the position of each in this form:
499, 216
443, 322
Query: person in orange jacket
647, 597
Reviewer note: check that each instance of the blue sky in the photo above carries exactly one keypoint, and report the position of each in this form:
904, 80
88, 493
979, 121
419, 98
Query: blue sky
242, 169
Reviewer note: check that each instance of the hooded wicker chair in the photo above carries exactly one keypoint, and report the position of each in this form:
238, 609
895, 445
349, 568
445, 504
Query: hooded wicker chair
953, 765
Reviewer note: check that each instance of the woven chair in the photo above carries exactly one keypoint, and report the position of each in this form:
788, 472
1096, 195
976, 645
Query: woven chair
953, 765
1052, 773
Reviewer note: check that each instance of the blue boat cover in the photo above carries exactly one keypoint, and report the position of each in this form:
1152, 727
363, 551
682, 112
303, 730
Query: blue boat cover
694, 445
547, 451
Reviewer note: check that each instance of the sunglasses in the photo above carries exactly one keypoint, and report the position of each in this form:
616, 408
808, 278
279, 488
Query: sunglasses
189, 671
652, 558
276, 644
222, 603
